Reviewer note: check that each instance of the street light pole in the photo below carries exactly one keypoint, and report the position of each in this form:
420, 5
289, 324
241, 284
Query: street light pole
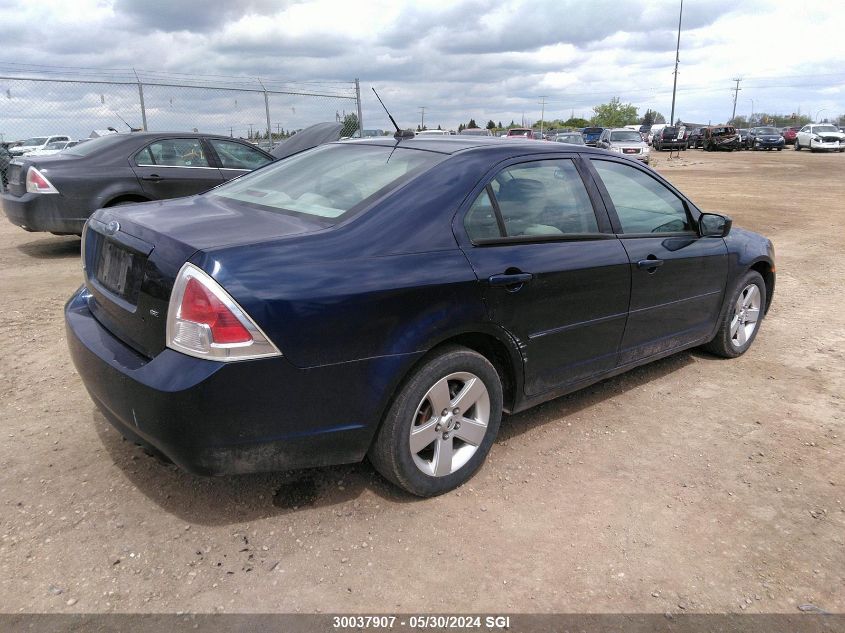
542, 113
677, 59
818, 113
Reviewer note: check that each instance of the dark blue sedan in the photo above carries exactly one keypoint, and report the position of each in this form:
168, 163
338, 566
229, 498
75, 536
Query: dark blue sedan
391, 299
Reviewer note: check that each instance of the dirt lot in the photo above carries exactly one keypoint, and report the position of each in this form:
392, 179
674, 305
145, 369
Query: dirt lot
692, 484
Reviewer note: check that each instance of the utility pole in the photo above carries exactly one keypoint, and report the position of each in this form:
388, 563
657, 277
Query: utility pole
542, 112
677, 60
736, 94
422, 117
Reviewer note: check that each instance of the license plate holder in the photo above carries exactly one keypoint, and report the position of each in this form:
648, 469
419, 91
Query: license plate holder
114, 269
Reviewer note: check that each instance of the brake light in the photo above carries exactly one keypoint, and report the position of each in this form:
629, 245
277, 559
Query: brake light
205, 322
36, 182
201, 307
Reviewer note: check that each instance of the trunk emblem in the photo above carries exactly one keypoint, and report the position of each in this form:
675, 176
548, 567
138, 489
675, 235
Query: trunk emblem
112, 227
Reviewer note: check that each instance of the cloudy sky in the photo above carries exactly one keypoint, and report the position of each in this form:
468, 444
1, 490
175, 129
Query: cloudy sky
486, 59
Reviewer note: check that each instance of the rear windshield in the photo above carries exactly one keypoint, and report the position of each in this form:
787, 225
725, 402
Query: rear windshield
95, 144
626, 136
328, 181
593, 130
38, 140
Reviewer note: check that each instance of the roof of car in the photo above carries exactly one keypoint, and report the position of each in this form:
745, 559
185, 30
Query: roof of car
454, 144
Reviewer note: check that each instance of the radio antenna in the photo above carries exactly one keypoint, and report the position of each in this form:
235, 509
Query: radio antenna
399, 134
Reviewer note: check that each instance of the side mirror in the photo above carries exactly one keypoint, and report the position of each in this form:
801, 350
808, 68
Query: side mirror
714, 225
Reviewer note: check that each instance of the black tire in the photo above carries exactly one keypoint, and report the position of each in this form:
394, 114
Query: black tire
780, 148
722, 344
797, 146
391, 453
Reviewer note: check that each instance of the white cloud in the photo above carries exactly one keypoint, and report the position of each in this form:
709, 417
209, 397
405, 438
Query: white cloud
475, 58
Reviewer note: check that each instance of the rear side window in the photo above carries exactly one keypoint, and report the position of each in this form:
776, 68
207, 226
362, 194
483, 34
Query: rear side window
237, 155
540, 198
173, 152
642, 204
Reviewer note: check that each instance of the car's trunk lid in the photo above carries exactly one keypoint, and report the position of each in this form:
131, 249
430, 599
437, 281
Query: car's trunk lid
18, 167
133, 254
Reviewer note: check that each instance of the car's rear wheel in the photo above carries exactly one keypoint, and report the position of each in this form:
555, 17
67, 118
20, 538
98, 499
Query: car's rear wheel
741, 317
439, 429
797, 146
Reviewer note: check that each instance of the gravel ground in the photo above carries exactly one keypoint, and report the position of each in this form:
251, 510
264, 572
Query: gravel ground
693, 484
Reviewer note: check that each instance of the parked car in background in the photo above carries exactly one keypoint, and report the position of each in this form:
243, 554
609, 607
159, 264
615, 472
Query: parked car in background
669, 138
433, 133
573, 138
295, 317
58, 193
743, 137
5, 159
626, 142
789, 134
520, 133
52, 148
694, 138
719, 137
592, 135
312, 136
476, 131
36, 142
820, 136
764, 138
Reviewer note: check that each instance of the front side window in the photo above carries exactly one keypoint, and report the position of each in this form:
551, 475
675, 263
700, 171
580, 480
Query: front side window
173, 152
540, 198
643, 204
237, 155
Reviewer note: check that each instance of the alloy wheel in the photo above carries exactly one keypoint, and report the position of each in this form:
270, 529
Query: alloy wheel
450, 424
746, 315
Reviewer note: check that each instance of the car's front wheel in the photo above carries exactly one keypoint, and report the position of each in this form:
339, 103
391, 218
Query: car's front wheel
797, 146
741, 318
441, 425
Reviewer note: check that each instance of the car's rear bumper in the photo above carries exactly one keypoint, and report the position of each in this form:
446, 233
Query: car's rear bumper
44, 212
215, 418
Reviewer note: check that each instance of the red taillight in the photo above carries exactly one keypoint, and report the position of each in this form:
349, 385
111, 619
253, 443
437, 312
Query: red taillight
199, 305
37, 183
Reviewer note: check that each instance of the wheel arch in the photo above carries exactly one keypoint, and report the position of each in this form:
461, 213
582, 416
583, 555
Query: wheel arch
122, 198
767, 272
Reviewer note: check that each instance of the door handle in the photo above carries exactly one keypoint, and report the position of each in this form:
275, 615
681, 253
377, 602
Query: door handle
153, 177
513, 279
652, 263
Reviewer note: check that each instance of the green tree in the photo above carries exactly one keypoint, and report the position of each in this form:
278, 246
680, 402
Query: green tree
575, 122
500, 125
472, 125
350, 125
614, 114
461, 127
491, 125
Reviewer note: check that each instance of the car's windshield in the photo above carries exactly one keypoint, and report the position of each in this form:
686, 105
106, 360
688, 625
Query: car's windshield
517, 132
825, 128
767, 130
95, 144
475, 132
627, 136
328, 181
56, 145
570, 138
38, 140
593, 130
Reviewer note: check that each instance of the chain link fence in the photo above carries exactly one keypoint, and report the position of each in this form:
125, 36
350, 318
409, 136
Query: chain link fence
262, 111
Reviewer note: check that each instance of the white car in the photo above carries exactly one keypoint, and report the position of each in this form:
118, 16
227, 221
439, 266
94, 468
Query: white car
52, 148
820, 136
37, 142
433, 133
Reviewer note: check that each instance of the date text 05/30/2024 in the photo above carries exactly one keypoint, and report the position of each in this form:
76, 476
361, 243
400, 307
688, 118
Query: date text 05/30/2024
421, 622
